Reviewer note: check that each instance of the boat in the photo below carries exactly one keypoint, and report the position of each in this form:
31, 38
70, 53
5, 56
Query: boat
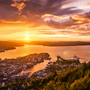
76, 58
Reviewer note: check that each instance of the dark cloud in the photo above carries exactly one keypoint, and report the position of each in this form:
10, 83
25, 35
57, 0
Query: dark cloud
5, 2
38, 7
60, 25
70, 10
71, 23
14, 10
79, 24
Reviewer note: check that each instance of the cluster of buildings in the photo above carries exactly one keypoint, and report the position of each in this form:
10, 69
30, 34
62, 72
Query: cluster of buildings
9, 68
41, 74
57, 66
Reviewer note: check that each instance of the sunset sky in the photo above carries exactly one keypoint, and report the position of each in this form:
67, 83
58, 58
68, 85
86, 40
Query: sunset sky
45, 20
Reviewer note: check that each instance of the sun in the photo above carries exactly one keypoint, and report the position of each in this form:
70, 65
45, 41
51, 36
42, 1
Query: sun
27, 38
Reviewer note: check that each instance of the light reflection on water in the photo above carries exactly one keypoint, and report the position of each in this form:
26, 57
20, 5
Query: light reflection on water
66, 52
35, 68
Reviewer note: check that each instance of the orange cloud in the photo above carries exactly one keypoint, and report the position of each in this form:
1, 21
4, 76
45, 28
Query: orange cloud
20, 6
31, 11
54, 16
71, 21
20, 0
15, 22
80, 19
77, 17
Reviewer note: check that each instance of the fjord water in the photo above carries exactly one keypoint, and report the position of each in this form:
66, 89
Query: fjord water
67, 52
64, 51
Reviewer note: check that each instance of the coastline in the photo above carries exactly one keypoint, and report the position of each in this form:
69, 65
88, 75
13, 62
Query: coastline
3, 50
5, 45
58, 43
10, 68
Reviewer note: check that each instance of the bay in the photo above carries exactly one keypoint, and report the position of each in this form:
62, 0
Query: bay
66, 52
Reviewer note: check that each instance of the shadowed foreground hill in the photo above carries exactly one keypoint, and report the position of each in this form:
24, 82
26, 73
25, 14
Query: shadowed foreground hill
71, 79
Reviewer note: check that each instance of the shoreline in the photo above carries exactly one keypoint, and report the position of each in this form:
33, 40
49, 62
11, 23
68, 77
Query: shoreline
59, 43
12, 48
9, 68
6, 45
52, 68
50, 44
4, 50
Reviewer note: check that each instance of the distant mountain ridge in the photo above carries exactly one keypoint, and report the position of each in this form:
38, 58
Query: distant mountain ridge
58, 43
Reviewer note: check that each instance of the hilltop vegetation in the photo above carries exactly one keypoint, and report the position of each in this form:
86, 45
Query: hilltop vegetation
71, 79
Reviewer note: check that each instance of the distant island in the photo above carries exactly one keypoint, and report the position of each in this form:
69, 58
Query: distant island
7, 45
58, 43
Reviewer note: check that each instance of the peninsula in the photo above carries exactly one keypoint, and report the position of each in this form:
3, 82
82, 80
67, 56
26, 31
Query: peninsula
59, 69
7, 45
